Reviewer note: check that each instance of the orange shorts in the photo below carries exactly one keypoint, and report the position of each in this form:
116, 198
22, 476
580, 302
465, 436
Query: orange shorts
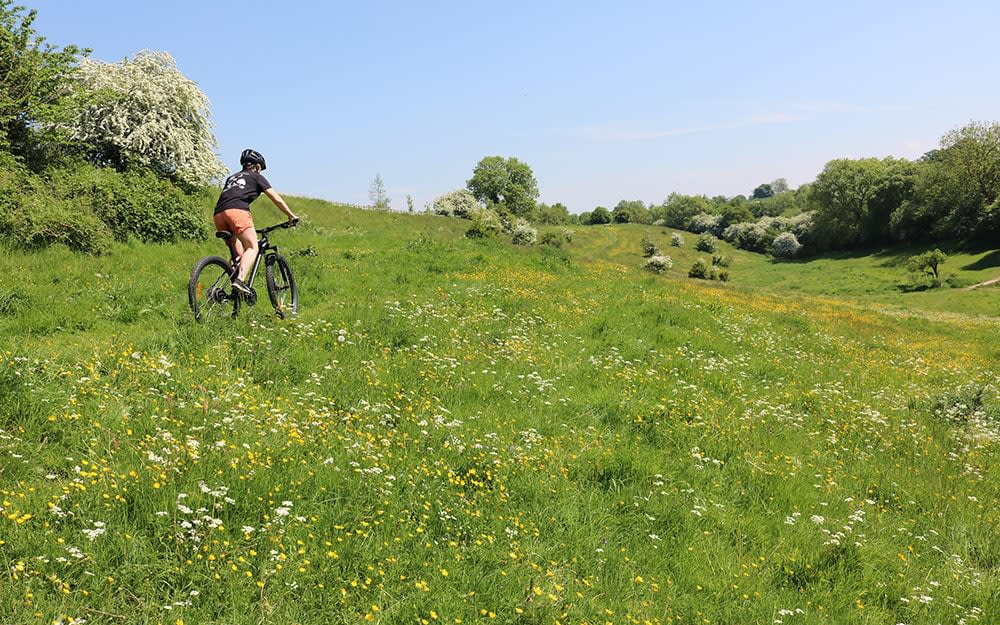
235, 220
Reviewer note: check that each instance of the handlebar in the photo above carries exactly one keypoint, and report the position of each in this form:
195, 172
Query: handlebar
284, 224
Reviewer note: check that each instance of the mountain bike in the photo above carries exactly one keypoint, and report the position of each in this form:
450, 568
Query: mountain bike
211, 292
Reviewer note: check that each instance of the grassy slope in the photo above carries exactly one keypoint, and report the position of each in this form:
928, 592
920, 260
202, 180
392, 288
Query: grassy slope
878, 277
462, 431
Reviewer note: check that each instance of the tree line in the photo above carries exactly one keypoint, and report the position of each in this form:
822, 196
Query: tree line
951, 194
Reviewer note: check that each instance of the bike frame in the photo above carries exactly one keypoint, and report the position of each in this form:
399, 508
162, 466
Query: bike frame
264, 248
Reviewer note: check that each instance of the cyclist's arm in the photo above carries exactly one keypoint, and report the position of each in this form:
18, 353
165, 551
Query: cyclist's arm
280, 203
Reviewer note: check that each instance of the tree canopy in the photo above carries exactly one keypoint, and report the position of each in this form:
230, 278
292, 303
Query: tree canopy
34, 79
630, 212
144, 111
505, 183
854, 199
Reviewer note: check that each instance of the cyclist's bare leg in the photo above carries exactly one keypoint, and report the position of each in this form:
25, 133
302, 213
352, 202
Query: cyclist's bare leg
235, 247
246, 246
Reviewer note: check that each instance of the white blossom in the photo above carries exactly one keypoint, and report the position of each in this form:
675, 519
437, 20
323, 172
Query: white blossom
147, 109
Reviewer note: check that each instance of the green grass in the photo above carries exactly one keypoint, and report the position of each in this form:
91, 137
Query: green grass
457, 431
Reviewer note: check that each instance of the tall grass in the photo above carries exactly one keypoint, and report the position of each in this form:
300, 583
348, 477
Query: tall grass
463, 431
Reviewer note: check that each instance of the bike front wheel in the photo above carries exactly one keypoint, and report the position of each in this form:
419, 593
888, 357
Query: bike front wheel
281, 287
210, 290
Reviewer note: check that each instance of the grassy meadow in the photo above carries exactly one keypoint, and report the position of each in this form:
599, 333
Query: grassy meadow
463, 431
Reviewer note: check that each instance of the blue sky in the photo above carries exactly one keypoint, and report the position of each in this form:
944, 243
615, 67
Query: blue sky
604, 100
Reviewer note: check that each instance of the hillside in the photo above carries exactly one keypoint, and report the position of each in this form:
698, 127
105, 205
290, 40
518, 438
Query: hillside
460, 431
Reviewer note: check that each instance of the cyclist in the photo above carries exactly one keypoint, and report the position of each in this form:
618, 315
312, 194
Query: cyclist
232, 211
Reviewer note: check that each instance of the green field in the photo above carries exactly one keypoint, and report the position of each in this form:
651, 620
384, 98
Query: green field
465, 431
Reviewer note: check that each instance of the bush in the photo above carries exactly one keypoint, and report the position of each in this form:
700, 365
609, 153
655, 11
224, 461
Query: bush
485, 224
134, 204
658, 263
458, 203
556, 238
31, 218
701, 269
704, 270
753, 237
706, 243
786, 245
42, 221
523, 233
677, 240
143, 111
704, 222
649, 248
718, 260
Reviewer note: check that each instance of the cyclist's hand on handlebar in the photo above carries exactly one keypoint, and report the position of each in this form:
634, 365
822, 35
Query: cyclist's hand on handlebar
293, 221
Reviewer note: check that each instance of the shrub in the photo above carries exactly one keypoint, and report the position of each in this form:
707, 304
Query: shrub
704, 222
43, 221
523, 233
706, 243
649, 248
458, 203
137, 203
485, 224
658, 263
677, 240
702, 269
753, 237
556, 238
801, 225
786, 245
144, 111
719, 260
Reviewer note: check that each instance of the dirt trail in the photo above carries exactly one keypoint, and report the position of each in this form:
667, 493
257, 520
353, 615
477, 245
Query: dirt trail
987, 283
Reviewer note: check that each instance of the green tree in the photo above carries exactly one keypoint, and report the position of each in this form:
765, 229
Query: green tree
928, 263
855, 200
599, 216
377, 194
678, 209
630, 212
734, 213
970, 157
555, 215
34, 82
763, 191
506, 183
144, 111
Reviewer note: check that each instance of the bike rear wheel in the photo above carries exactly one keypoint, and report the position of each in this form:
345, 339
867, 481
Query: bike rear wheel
210, 290
281, 287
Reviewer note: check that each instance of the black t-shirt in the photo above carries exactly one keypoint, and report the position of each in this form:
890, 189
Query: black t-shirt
241, 189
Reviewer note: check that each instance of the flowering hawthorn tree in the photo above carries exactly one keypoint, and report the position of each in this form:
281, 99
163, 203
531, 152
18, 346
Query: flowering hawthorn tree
144, 110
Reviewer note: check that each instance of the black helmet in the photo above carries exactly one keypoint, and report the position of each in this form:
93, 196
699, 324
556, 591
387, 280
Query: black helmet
252, 157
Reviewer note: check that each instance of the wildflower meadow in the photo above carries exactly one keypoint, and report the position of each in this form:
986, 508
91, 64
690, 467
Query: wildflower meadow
461, 430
